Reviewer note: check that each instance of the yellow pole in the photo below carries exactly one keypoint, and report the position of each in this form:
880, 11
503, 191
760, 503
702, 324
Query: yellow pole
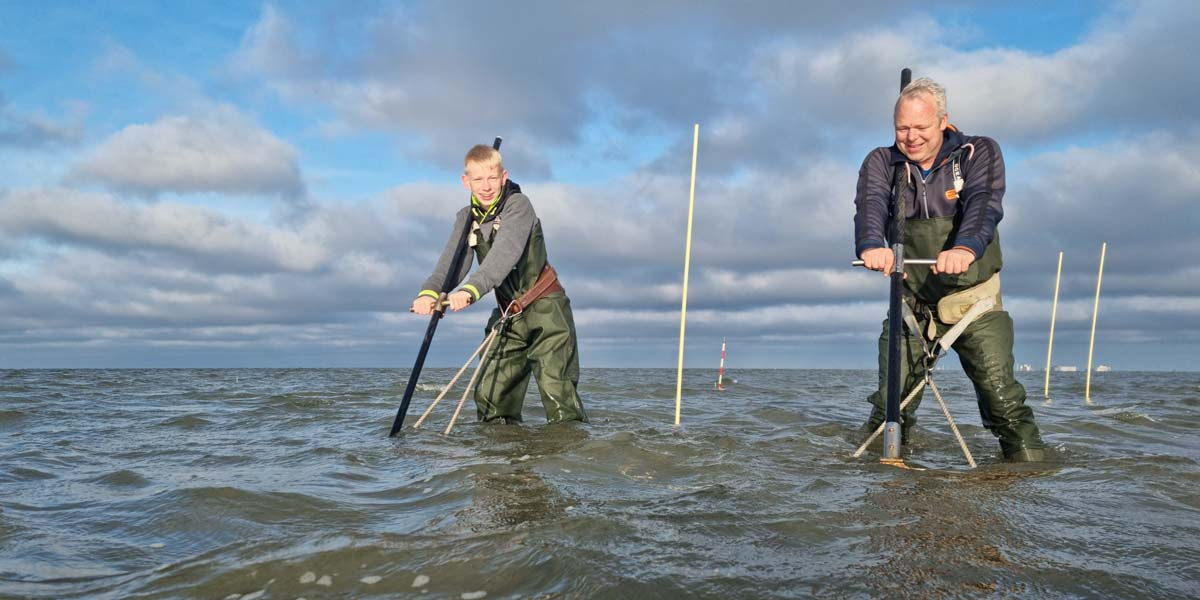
1087, 389
1053, 314
687, 262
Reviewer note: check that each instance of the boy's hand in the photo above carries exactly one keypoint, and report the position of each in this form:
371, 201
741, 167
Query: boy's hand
459, 300
423, 305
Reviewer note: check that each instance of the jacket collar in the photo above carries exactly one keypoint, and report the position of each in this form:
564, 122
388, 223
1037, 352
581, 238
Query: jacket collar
952, 139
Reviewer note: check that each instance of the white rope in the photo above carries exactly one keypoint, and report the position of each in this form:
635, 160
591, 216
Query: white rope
504, 317
946, 411
454, 380
474, 376
879, 430
944, 343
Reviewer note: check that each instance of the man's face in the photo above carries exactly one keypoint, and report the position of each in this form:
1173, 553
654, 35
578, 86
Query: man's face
484, 181
919, 130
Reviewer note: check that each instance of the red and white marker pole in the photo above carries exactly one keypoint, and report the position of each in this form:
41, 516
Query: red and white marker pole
721, 370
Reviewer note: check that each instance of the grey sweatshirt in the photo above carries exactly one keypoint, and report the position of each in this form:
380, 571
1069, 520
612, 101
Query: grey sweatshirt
517, 218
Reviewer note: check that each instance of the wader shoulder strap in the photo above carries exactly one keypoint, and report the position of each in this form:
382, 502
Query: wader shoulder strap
965, 307
977, 309
546, 284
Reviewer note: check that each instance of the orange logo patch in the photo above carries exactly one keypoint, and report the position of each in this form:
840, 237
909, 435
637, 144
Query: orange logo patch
951, 195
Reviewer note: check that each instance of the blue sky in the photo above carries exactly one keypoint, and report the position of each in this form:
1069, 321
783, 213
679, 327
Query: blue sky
240, 184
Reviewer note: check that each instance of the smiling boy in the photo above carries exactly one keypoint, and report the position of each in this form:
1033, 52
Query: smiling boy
539, 338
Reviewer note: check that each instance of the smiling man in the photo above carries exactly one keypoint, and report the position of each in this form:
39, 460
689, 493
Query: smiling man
952, 188
539, 335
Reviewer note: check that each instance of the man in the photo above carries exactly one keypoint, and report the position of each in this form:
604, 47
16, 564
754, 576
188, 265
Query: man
952, 188
538, 334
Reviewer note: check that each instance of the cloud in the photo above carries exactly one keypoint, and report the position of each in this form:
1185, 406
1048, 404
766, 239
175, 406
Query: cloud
1080, 197
205, 238
36, 130
438, 78
789, 99
221, 152
781, 83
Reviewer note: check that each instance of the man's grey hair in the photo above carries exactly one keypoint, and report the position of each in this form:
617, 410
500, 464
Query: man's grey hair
925, 85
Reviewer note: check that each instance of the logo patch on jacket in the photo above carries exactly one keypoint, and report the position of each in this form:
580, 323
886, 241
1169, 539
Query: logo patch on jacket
951, 195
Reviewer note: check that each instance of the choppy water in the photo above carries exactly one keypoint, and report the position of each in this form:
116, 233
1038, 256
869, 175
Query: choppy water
282, 484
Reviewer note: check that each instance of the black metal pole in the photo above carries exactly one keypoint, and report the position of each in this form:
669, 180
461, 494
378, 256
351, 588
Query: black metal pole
891, 429
438, 311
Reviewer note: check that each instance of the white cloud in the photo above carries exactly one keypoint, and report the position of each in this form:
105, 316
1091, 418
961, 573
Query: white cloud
219, 152
787, 106
102, 221
34, 130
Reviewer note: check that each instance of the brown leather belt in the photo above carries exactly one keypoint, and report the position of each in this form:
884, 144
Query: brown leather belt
546, 284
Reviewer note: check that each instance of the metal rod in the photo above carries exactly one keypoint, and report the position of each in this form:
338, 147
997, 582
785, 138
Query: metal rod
907, 261
892, 439
879, 430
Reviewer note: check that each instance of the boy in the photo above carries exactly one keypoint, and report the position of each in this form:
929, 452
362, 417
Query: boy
539, 335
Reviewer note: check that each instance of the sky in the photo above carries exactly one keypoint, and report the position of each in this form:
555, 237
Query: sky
232, 184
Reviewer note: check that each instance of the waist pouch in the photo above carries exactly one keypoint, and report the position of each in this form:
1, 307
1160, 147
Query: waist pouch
952, 307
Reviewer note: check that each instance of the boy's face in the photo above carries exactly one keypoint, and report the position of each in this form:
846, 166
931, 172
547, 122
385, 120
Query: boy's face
484, 181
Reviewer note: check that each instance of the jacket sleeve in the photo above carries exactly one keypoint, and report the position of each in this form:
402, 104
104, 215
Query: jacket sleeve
433, 285
983, 190
517, 220
871, 202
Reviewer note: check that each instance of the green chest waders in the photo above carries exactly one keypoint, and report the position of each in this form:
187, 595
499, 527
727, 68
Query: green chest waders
984, 347
540, 341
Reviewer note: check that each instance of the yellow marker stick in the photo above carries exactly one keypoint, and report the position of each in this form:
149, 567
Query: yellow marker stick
1087, 389
687, 262
1053, 314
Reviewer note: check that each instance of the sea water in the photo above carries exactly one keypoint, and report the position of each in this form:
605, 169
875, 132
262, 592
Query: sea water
244, 484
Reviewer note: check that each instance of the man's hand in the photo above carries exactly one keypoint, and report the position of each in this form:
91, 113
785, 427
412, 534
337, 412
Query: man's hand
953, 261
423, 305
459, 300
879, 259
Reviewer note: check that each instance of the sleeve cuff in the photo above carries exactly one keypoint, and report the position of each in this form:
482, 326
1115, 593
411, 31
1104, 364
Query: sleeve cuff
867, 245
430, 293
474, 292
975, 246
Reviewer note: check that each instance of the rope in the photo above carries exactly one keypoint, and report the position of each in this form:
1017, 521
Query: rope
946, 411
482, 361
932, 355
454, 379
879, 430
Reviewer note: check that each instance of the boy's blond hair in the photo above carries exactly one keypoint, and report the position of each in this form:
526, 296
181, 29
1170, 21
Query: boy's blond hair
484, 155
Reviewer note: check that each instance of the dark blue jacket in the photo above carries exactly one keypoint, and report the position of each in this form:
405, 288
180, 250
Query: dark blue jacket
976, 206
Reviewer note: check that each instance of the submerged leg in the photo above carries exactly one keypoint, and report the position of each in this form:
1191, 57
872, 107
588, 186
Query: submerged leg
554, 356
500, 393
912, 374
985, 351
